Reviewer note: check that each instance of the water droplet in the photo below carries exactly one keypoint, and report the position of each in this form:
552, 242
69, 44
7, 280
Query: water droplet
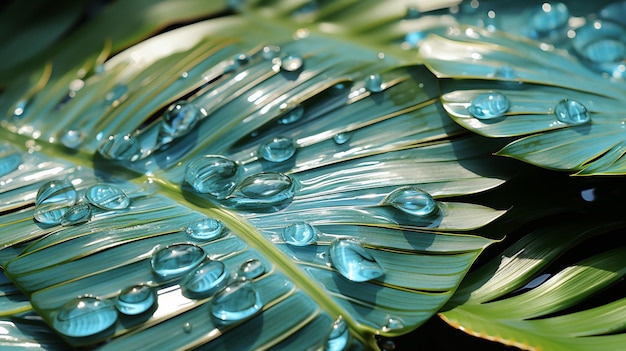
205, 280
136, 299
213, 175
392, 324
270, 52
339, 336
72, 138
54, 198
571, 112
300, 234
278, 149
342, 138
85, 316
353, 261
117, 94
388, 345
251, 269
292, 114
178, 120
10, 158
187, 327
264, 189
549, 17
414, 39
205, 229
292, 63
79, 213
175, 260
374, 83
236, 302
489, 105
601, 47
107, 197
412, 200
120, 148
20, 107
505, 72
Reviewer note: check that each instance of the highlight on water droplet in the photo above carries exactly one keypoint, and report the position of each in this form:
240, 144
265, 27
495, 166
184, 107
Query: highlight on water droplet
342, 138
374, 83
72, 138
292, 114
187, 327
20, 107
571, 112
205, 280
269, 52
173, 261
10, 158
489, 105
339, 336
53, 200
277, 149
252, 268
262, 190
179, 119
291, 63
353, 261
300, 234
116, 95
601, 46
84, 316
107, 197
392, 323
213, 175
77, 214
237, 301
136, 299
549, 17
412, 200
205, 229
120, 148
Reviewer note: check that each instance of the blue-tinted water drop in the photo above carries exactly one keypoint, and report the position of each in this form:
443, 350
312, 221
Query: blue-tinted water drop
84, 316
489, 105
213, 175
549, 17
10, 158
278, 149
20, 108
263, 189
374, 83
120, 148
292, 114
116, 95
205, 280
412, 200
353, 261
339, 336
414, 39
107, 197
571, 112
205, 229
270, 52
602, 47
342, 138
176, 260
72, 138
251, 269
237, 301
54, 198
187, 327
136, 299
392, 324
300, 234
179, 119
292, 63
79, 213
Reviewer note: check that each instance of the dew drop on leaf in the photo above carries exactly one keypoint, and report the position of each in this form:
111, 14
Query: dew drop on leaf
107, 197
292, 63
175, 260
300, 234
136, 299
292, 114
262, 190
20, 108
85, 316
72, 138
548, 17
178, 120
270, 52
79, 213
205, 229
120, 148
412, 200
374, 83
489, 105
392, 324
117, 94
342, 138
54, 198
213, 175
339, 336
251, 269
571, 112
205, 280
353, 261
187, 327
10, 158
277, 149
237, 301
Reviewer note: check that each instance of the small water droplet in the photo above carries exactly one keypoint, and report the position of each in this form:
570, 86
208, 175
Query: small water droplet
72, 138
270, 52
84, 316
237, 301
20, 107
10, 158
107, 197
278, 149
388, 345
571, 112
187, 327
505, 72
489, 105
412, 200
116, 95
353, 261
178, 120
292, 114
300, 234
136, 299
175, 260
549, 17
120, 148
205, 280
342, 138
392, 324
251, 269
213, 175
79, 213
339, 336
292, 63
263, 189
205, 229
54, 198
374, 83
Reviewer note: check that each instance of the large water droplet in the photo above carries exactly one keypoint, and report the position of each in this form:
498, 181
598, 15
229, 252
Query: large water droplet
300, 234
549, 17
10, 158
54, 198
412, 200
292, 63
205, 229
175, 260
213, 175
264, 189
107, 197
79, 213
178, 120
278, 149
374, 83
489, 105
353, 261
205, 280
84, 316
136, 299
339, 336
236, 302
571, 112
72, 138
602, 47
292, 114
342, 138
120, 148
251, 269
116, 95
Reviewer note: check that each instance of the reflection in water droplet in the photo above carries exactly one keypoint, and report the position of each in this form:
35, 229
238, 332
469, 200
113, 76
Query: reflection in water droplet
117, 94
489, 105
353, 261
205, 280
292, 63
392, 324
120, 148
549, 17
412, 200
292, 114
339, 336
263, 189
388, 345
107, 197
602, 47
236, 302
342, 138
251, 269
54, 198
175, 260
278, 149
187, 327
135, 299
84, 316
374, 83
205, 229
10, 158
505, 72
79, 213
300, 234
571, 112
72, 138
178, 120
213, 175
